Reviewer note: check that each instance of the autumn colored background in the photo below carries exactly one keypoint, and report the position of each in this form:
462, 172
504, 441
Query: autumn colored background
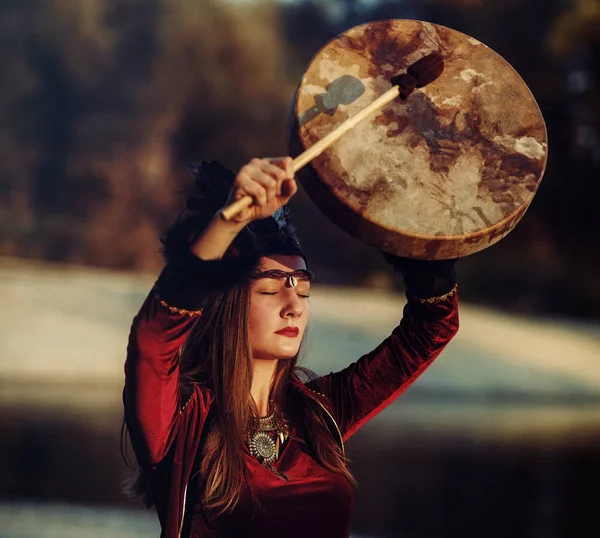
104, 102
103, 105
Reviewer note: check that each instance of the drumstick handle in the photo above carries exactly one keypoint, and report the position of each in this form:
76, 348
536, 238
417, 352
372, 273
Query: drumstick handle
318, 148
315, 150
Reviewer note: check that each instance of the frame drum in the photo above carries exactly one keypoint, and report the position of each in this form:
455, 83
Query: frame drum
443, 174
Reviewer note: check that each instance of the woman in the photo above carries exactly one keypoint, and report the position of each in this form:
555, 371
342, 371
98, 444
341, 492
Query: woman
230, 441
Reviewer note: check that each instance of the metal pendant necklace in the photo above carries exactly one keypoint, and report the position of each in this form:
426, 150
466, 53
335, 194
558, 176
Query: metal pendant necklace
266, 441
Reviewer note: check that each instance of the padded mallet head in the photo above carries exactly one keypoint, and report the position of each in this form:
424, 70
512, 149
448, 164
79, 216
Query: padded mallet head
419, 74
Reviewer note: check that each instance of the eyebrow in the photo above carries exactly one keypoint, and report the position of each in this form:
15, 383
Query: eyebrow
300, 274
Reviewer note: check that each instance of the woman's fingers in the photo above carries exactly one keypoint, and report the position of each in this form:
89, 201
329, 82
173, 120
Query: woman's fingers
288, 189
275, 168
267, 182
283, 163
268, 175
287, 185
247, 184
270, 183
280, 169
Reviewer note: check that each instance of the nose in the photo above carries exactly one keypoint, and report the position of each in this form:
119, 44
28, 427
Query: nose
293, 307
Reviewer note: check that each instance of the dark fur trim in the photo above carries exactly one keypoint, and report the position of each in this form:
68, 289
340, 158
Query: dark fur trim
187, 280
192, 282
424, 278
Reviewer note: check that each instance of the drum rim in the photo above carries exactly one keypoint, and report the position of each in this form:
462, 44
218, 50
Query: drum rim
514, 216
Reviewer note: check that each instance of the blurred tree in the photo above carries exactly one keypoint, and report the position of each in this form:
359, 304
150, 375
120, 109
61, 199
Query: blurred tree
219, 78
575, 40
105, 101
18, 150
104, 94
578, 23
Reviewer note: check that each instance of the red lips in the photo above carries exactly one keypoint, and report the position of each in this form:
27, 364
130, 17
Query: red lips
289, 331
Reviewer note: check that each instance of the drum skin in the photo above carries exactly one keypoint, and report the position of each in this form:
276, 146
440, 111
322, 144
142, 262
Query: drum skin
447, 172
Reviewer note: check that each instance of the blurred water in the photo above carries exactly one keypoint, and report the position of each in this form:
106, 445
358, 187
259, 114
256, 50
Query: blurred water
52, 520
498, 437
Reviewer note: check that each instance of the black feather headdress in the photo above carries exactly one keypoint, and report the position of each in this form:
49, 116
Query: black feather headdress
273, 235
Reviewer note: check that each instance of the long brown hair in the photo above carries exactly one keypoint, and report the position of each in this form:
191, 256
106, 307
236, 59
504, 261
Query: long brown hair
217, 354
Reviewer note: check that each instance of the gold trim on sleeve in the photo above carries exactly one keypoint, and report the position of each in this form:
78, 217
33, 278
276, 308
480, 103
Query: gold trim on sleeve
181, 311
440, 298
174, 309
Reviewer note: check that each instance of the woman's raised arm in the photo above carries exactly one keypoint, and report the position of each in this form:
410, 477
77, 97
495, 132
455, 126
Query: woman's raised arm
153, 395
430, 320
199, 263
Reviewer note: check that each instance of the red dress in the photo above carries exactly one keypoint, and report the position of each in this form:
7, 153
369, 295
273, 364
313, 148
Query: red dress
314, 502
165, 422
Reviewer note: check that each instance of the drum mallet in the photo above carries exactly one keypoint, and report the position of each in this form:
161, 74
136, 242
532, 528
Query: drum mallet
417, 75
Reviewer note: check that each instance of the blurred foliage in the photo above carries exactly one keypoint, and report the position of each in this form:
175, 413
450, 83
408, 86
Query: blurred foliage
577, 25
104, 102
103, 99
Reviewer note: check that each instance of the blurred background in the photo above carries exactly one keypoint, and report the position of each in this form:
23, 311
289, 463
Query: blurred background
103, 104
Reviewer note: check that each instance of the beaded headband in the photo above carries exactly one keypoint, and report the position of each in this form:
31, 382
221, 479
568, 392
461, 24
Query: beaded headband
292, 277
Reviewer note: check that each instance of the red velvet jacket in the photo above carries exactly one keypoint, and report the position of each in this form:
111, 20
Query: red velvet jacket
165, 420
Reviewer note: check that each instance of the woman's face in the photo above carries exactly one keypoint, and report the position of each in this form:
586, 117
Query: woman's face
278, 311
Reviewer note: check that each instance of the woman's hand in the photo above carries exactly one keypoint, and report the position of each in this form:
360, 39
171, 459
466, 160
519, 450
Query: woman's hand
270, 183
